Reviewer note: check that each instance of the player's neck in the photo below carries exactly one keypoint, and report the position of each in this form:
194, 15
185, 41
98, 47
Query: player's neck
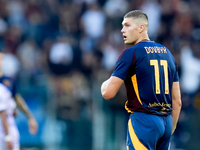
144, 37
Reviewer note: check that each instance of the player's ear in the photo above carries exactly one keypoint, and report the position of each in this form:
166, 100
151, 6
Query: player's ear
141, 28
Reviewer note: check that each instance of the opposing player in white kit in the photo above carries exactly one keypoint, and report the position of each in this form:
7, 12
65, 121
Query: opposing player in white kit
9, 101
9, 135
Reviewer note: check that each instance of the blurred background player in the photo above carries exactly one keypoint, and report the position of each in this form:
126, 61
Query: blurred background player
9, 135
10, 101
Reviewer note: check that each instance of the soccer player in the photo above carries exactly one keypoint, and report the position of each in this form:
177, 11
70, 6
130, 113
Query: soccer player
9, 135
9, 101
150, 75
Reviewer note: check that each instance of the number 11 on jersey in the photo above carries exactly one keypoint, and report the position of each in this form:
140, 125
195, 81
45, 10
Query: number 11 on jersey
163, 63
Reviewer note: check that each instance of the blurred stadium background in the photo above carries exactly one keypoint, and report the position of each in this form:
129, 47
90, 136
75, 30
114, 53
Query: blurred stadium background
62, 50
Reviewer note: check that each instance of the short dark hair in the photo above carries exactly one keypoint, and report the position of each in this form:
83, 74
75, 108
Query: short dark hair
136, 14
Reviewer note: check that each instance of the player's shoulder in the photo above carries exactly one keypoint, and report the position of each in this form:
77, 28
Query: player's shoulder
4, 91
126, 54
3, 88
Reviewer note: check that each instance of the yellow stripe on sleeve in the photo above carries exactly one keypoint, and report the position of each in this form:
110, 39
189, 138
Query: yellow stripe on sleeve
136, 143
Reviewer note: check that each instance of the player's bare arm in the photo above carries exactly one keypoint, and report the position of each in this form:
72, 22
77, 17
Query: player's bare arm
176, 104
110, 87
33, 126
8, 139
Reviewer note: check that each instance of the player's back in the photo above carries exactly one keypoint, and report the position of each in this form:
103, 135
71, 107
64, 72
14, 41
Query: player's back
150, 78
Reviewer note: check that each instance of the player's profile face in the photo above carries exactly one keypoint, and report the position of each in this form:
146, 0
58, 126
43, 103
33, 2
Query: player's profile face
130, 30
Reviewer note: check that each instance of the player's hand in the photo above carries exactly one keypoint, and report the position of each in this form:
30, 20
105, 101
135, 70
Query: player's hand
9, 145
33, 126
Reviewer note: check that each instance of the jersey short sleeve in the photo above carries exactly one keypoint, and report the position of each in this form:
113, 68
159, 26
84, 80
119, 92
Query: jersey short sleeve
123, 63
